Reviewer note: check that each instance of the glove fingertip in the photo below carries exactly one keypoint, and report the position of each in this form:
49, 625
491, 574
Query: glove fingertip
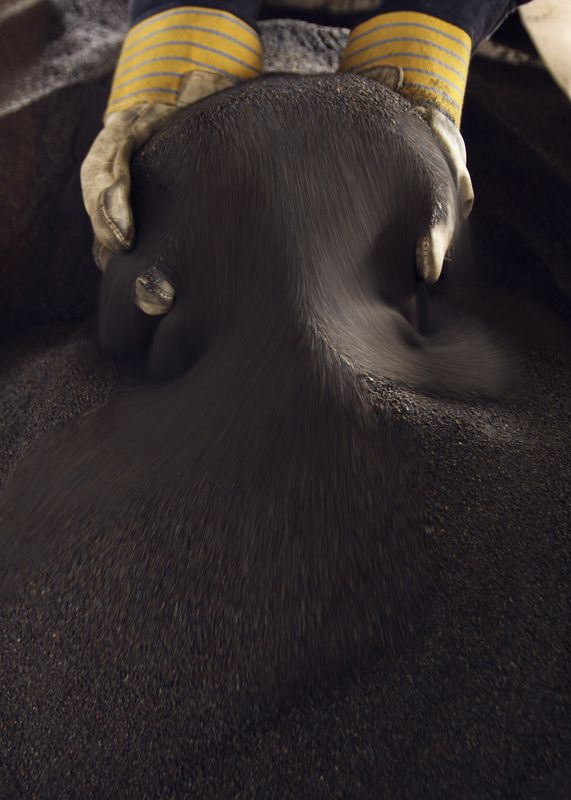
154, 294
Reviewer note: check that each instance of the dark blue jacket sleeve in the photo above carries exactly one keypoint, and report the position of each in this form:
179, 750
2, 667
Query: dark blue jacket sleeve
479, 18
247, 10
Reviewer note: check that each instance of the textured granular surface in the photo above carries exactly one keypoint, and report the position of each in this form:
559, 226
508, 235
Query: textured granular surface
475, 702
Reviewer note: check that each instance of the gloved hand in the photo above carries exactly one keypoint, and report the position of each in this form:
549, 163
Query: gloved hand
106, 180
416, 68
449, 211
169, 60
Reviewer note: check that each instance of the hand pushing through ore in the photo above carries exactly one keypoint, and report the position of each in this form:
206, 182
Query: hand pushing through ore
106, 180
178, 56
449, 211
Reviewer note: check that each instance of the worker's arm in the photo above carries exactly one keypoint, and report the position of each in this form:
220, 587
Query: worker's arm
173, 55
422, 48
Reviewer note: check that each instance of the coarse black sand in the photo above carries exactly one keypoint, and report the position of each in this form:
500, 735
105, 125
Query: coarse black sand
474, 701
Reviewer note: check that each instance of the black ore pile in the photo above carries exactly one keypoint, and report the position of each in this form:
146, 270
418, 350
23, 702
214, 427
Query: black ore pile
265, 519
200, 549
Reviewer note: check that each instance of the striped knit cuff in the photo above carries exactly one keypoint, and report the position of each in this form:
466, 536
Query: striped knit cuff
160, 50
433, 55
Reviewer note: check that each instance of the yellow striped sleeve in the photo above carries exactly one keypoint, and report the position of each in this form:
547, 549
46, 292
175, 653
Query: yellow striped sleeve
433, 55
160, 50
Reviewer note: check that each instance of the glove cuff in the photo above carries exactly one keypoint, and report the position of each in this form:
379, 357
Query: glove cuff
433, 55
158, 51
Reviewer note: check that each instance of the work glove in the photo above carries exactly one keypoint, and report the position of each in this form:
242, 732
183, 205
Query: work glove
426, 60
168, 61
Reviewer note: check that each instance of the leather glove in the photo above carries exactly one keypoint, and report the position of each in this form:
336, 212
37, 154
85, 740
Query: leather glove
407, 52
136, 111
450, 212
106, 181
